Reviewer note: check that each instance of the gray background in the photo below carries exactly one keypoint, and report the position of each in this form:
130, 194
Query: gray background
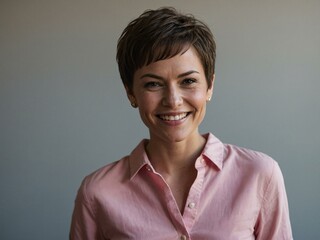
64, 113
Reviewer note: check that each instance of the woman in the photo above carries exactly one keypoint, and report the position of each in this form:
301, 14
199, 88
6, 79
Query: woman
179, 184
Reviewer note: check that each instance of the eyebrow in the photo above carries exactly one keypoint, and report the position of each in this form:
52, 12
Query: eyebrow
161, 78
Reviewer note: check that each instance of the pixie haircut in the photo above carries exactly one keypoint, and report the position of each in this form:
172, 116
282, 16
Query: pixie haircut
161, 34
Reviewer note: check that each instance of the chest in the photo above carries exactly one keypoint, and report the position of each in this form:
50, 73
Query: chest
151, 207
179, 187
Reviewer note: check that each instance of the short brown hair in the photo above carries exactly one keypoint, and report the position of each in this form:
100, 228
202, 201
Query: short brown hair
161, 34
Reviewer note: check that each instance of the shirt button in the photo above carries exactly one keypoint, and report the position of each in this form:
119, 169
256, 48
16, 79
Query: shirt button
191, 205
148, 168
183, 237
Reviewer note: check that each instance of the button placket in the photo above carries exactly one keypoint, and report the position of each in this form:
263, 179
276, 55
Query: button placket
192, 205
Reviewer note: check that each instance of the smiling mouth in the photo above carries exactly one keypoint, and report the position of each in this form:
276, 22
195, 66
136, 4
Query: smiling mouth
175, 117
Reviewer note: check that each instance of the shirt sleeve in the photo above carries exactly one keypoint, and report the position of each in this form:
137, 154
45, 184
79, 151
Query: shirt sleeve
83, 224
273, 221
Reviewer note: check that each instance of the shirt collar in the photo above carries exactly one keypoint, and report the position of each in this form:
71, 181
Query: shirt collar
138, 158
213, 151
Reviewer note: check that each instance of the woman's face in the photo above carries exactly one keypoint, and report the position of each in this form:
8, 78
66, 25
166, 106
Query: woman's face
171, 96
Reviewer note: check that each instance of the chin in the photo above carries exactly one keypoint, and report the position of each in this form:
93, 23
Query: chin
171, 137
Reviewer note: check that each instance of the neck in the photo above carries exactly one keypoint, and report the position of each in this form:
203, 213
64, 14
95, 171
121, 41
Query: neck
174, 157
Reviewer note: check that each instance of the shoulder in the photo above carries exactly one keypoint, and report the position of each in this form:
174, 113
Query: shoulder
105, 178
246, 154
249, 161
254, 168
114, 176
116, 169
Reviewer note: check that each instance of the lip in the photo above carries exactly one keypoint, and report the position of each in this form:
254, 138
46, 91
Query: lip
173, 117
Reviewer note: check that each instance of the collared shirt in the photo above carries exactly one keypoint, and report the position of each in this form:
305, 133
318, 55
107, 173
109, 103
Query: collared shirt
238, 194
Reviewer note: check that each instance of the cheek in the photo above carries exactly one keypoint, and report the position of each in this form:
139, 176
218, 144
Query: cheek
199, 98
147, 101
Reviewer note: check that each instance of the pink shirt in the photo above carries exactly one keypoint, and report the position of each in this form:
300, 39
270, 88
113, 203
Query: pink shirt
238, 194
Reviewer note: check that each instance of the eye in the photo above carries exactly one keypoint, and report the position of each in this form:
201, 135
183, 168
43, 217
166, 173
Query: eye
188, 81
152, 85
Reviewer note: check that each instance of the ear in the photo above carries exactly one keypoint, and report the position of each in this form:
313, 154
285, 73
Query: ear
210, 90
131, 97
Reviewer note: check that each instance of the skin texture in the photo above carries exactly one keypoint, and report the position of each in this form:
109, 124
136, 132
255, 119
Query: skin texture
171, 87
171, 96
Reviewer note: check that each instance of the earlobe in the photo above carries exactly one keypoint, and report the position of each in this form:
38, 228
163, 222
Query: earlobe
131, 98
134, 104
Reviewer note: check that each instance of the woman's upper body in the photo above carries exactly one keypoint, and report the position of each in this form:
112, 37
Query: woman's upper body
196, 188
237, 194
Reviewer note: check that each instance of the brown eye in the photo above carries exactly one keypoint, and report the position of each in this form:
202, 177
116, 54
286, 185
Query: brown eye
188, 81
151, 85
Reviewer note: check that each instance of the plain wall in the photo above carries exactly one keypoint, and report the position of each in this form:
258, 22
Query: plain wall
64, 112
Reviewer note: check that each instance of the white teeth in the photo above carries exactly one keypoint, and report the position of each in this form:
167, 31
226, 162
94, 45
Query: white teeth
173, 118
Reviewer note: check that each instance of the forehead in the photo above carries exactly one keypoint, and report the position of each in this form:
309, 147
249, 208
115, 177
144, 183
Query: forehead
185, 61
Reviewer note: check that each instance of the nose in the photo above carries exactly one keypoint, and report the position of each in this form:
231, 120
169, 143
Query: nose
172, 97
